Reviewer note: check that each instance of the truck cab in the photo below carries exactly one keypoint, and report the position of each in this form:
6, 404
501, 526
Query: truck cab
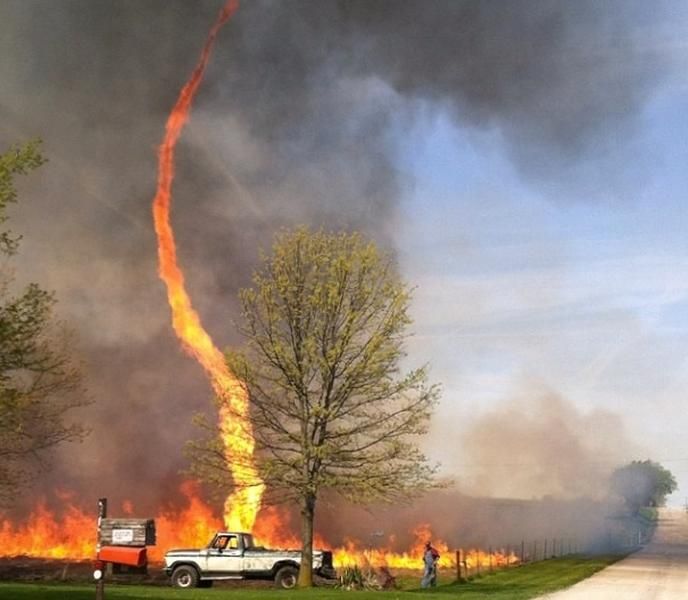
225, 553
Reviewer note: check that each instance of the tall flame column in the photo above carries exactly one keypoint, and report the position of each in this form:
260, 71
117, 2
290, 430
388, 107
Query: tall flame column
242, 506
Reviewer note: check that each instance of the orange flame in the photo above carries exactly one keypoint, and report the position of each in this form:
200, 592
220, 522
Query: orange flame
352, 553
242, 505
489, 560
43, 534
72, 535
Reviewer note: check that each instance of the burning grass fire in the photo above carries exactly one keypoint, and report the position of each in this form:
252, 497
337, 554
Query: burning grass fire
70, 533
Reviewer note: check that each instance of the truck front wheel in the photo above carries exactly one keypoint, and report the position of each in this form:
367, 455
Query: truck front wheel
185, 577
287, 577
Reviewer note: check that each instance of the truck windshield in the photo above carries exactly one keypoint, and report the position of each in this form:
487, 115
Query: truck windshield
225, 542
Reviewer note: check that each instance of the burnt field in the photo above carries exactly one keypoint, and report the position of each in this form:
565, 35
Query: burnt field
31, 569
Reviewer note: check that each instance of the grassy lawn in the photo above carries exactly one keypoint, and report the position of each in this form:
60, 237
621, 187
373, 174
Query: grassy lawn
519, 583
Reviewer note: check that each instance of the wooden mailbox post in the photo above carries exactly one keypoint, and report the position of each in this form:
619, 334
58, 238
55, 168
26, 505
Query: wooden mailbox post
121, 543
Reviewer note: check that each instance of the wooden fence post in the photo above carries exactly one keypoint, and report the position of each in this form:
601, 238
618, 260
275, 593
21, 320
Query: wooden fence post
100, 583
458, 565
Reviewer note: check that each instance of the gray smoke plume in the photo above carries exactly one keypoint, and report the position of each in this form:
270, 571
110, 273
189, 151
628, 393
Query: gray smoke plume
297, 121
539, 444
464, 521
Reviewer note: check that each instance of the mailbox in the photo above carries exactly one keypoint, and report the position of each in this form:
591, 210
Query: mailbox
121, 546
123, 555
127, 532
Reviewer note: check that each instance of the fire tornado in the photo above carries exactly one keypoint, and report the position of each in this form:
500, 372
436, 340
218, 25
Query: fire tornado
242, 506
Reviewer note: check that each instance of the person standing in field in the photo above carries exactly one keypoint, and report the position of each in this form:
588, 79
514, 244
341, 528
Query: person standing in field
430, 559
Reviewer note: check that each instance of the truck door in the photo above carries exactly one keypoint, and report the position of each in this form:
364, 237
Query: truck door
225, 556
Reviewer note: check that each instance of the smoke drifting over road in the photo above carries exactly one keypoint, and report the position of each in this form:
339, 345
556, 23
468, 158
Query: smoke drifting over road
298, 121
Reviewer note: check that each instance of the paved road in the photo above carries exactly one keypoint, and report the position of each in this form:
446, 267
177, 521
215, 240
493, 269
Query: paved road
657, 572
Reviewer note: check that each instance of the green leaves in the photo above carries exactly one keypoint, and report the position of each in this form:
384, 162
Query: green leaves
18, 160
39, 380
325, 323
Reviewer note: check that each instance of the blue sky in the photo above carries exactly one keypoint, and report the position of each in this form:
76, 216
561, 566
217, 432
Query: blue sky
585, 293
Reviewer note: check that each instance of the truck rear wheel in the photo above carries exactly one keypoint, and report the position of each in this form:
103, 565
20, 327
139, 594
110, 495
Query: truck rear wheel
287, 577
185, 577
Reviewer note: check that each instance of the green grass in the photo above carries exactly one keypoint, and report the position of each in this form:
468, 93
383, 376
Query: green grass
518, 583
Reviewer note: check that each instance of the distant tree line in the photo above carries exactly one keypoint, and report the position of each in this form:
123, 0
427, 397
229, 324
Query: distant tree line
643, 483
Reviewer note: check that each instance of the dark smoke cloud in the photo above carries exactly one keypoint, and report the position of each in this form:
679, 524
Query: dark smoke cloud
562, 82
296, 122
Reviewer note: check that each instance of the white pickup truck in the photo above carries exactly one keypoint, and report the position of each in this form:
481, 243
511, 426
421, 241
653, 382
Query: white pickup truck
233, 555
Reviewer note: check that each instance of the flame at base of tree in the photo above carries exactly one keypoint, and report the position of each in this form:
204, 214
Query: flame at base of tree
70, 534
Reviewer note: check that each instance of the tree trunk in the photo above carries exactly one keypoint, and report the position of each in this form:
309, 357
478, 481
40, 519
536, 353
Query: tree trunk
307, 515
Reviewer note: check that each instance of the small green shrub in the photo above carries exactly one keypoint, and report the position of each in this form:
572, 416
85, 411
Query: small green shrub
355, 578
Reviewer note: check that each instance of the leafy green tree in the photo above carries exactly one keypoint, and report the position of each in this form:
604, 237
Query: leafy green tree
325, 324
39, 381
643, 483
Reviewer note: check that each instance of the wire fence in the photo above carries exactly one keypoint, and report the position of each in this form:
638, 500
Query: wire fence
478, 561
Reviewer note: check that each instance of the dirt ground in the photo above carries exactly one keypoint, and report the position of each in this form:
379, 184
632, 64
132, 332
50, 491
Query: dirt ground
25, 568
